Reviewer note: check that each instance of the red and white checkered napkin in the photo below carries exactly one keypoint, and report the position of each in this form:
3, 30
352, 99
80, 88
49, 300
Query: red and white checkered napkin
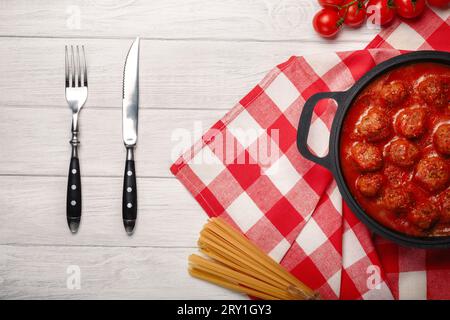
291, 207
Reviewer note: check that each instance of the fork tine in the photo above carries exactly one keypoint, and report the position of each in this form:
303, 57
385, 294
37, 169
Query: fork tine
73, 67
79, 66
84, 68
67, 69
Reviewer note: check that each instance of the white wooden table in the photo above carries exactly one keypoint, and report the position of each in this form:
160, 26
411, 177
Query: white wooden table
198, 57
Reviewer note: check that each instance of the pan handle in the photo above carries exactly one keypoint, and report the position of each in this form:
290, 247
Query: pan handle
305, 124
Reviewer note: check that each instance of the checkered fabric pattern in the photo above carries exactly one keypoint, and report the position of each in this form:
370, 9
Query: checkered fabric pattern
291, 207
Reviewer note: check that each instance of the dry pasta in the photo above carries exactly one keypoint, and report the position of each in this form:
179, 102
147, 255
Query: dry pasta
235, 263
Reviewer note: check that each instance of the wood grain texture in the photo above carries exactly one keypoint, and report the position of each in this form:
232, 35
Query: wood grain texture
44, 135
33, 212
40, 272
174, 74
263, 20
198, 58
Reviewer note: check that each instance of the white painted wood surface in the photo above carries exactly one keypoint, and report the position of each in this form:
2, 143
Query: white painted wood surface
197, 59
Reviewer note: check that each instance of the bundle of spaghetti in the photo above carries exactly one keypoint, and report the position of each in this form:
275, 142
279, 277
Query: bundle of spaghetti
235, 263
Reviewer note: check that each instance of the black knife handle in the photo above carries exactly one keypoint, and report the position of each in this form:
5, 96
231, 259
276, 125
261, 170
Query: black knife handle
129, 196
73, 200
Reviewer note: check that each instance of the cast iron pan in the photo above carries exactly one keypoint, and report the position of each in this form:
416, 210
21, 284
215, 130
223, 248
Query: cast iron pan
331, 161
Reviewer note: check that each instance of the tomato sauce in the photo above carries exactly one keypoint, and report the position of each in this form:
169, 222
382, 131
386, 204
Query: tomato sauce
401, 120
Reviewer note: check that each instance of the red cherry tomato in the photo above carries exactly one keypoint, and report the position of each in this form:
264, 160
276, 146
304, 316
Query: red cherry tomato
354, 14
327, 22
331, 3
380, 12
439, 3
409, 8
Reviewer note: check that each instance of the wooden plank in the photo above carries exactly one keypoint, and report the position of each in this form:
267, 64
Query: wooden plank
174, 74
36, 140
33, 212
105, 273
202, 56
279, 20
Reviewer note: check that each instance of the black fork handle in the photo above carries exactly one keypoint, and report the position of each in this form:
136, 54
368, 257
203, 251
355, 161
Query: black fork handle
73, 200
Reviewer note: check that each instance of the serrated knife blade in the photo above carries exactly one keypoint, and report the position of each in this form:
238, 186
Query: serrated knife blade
130, 95
130, 108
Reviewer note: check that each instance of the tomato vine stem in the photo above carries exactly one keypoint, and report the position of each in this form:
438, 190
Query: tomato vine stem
347, 5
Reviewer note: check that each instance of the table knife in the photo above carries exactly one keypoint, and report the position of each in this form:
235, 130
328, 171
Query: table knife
130, 108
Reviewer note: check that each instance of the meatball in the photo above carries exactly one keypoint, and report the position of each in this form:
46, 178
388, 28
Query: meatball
410, 122
433, 173
374, 125
394, 92
433, 90
424, 215
396, 199
403, 153
367, 156
369, 184
444, 199
395, 176
441, 139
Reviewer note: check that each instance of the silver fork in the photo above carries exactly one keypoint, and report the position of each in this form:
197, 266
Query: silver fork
76, 95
